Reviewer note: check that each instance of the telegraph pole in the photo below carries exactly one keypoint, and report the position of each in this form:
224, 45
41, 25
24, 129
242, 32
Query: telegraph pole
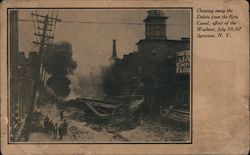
44, 26
44, 37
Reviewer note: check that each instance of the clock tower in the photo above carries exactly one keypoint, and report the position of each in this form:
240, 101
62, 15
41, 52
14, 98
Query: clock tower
155, 25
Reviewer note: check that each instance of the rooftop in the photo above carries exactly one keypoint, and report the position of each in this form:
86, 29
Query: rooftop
154, 13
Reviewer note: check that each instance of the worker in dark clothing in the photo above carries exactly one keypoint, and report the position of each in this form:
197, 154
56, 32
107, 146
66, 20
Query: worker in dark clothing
60, 130
55, 130
65, 127
61, 115
45, 124
51, 127
48, 127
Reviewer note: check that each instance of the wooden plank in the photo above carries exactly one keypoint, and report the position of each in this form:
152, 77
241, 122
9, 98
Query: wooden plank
181, 111
93, 103
96, 112
181, 117
103, 105
100, 109
99, 101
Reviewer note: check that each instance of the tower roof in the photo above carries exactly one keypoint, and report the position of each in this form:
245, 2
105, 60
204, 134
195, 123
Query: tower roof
155, 14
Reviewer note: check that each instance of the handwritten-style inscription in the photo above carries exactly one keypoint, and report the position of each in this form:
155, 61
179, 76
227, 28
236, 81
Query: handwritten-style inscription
216, 23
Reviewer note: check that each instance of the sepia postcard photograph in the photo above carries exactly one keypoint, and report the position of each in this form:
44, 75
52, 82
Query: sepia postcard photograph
100, 75
124, 77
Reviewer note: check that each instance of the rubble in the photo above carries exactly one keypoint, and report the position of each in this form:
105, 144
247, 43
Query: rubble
102, 114
122, 127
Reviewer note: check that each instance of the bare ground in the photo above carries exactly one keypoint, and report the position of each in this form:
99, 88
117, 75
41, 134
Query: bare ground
81, 131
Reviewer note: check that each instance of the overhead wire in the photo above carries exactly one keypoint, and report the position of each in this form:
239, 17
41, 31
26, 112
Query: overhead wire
96, 22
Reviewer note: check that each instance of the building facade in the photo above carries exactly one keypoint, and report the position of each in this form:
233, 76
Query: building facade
157, 70
25, 88
162, 86
29, 73
13, 60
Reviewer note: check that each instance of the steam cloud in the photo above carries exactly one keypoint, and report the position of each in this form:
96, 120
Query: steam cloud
88, 87
59, 63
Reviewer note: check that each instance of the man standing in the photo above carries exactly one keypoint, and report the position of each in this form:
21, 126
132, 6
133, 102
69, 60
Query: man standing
65, 127
51, 127
60, 130
45, 123
55, 130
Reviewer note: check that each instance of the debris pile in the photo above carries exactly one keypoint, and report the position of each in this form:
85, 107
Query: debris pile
108, 114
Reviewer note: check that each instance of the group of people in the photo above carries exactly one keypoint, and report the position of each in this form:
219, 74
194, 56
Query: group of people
54, 129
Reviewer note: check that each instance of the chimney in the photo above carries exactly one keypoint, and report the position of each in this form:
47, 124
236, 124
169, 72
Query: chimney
114, 54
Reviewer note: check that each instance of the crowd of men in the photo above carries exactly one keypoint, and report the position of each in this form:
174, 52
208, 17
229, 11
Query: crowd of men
54, 129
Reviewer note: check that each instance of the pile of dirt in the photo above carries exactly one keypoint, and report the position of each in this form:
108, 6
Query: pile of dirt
149, 131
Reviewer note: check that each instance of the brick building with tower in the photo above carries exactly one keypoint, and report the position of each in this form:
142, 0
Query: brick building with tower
158, 63
155, 67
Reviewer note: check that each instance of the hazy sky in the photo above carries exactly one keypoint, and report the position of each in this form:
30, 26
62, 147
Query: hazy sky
92, 43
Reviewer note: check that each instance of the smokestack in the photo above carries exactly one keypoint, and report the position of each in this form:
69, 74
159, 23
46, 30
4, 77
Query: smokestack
114, 54
114, 47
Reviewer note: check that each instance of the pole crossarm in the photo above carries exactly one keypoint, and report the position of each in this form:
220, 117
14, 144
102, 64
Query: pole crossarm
50, 18
44, 35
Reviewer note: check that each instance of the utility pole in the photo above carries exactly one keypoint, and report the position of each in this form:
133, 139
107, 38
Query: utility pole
44, 26
44, 31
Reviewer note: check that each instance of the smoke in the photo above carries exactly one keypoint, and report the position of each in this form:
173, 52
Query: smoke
87, 86
59, 64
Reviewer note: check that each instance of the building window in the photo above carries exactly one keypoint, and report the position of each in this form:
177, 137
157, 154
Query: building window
158, 30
